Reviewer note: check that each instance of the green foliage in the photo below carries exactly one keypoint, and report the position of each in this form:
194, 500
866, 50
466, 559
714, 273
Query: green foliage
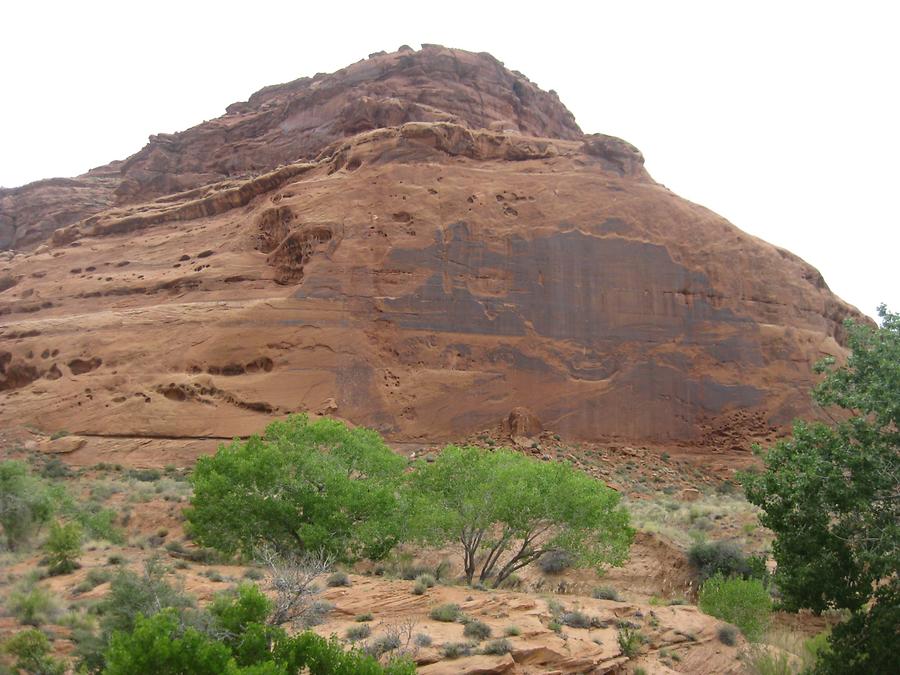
742, 602
26, 503
448, 612
512, 631
32, 651
867, 642
31, 604
829, 493
303, 486
555, 561
508, 510
63, 547
160, 644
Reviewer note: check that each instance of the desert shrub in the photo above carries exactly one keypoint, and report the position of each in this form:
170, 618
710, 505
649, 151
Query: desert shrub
477, 630
419, 588
338, 579
605, 593
363, 617
468, 494
497, 647
63, 547
575, 619
718, 557
259, 490
512, 631
98, 523
32, 651
254, 574
26, 503
743, 602
727, 635
422, 640
630, 641
384, 643
455, 650
55, 468
360, 632
427, 580
145, 475
31, 604
556, 561
448, 612
760, 660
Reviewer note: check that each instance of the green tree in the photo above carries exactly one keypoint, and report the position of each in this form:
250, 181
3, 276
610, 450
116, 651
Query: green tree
63, 547
26, 503
744, 602
303, 486
160, 644
831, 495
507, 511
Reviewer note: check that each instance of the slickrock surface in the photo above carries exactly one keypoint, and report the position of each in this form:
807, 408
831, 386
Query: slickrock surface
422, 243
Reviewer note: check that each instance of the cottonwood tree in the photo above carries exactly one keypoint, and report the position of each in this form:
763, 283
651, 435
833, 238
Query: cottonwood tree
302, 487
506, 511
831, 495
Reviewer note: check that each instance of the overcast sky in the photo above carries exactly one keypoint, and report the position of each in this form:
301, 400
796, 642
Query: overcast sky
784, 117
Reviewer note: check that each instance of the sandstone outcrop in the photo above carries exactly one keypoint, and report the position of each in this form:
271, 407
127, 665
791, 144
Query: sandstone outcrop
421, 243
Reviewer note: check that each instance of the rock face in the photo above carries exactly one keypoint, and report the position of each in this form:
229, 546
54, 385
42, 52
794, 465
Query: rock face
421, 242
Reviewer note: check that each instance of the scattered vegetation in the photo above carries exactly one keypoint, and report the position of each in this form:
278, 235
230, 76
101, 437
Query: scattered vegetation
743, 602
448, 612
63, 547
477, 630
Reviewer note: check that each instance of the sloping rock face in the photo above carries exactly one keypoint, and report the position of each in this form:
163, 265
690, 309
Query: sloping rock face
448, 248
292, 122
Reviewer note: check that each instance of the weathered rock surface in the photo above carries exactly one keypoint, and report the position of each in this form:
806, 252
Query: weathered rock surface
421, 242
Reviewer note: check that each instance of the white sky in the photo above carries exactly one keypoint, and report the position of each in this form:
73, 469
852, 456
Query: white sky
784, 117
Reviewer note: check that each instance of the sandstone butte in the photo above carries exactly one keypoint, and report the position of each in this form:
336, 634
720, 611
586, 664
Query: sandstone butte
421, 243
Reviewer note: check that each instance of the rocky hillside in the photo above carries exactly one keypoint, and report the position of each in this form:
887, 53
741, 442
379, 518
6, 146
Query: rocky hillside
421, 243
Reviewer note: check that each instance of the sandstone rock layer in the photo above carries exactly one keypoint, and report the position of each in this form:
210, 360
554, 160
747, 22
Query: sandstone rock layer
422, 243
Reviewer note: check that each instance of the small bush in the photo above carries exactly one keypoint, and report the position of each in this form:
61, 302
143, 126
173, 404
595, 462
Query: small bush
363, 617
498, 647
254, 574
718, 557
145, 475
477, 630
576, 619
419, 588
32, 605
422, 640
360, 632
448, 612
555, 626
512, 631
94, 578
630, 641
455, 650
383, 644
63, 548
556, 561
762, 661
116, 559
728, 635
32, 651
338, 579
55, 468
742, 602
605, 593
426, 580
